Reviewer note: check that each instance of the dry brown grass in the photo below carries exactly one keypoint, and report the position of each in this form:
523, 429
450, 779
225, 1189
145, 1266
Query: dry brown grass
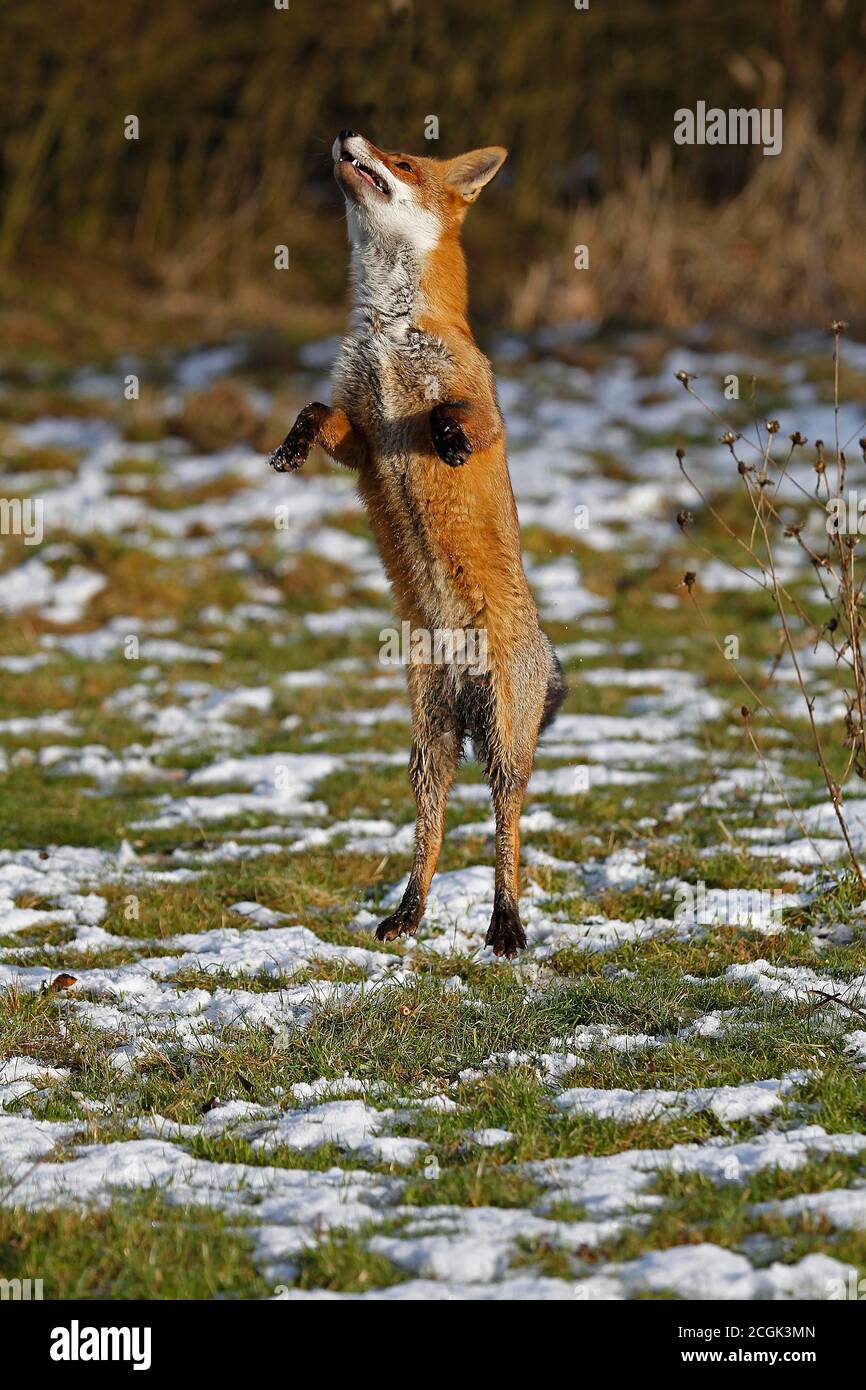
102, 238
782, 252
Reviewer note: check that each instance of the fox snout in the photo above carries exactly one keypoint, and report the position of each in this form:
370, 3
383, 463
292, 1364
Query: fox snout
359, 166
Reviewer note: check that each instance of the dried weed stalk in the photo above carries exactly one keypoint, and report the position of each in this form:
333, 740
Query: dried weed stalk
763, 467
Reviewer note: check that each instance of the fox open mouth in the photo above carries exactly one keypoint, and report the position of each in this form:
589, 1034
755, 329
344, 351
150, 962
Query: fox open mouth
365, 172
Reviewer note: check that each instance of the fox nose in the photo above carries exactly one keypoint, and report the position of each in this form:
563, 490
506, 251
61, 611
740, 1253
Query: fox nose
346, 134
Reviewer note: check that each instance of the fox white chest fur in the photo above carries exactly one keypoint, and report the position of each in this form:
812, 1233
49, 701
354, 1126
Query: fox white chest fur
388, 375
387, 367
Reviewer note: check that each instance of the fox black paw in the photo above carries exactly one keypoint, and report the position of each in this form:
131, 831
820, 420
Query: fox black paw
449, 441
505, 934
286, 459
292, 453
398, 924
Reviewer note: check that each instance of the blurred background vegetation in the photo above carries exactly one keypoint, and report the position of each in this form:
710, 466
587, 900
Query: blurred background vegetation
104, 241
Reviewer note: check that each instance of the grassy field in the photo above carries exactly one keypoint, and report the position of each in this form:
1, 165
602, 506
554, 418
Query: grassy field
213, 1080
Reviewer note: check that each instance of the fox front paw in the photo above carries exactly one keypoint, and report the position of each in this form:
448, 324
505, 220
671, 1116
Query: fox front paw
292, 453
449, 441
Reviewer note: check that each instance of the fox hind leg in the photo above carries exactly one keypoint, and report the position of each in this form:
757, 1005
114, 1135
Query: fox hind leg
436, 741
508, 782
510, 726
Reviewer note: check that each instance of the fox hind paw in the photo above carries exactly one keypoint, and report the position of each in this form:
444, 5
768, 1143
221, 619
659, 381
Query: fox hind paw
398, 924
505, 934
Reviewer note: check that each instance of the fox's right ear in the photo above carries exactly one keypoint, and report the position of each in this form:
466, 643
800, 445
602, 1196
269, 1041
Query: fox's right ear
468, 173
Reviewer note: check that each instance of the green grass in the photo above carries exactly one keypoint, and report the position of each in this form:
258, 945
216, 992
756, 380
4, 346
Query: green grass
341, 1263
697, 1211
139, 1248
481, 1183
37, 810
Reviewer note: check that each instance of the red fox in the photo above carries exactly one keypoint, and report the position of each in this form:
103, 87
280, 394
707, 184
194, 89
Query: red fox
415, 414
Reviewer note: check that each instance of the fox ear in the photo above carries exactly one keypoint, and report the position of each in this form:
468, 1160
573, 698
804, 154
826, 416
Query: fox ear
468, 173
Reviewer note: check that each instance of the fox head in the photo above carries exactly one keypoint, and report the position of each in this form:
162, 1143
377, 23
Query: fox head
408, 200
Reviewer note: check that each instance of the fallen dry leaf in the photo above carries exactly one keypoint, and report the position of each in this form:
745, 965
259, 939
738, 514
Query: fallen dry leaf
63, 981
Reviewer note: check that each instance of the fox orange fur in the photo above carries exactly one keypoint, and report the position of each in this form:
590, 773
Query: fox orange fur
415, 414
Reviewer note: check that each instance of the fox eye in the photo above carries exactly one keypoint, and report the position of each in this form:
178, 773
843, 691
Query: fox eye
401, 164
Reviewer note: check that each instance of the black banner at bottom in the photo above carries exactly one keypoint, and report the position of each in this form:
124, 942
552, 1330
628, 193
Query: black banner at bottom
63, 1339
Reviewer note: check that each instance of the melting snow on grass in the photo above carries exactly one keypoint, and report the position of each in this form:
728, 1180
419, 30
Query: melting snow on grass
194, 1001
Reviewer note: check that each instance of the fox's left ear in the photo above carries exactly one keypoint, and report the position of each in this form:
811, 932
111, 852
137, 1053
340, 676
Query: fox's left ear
468, 173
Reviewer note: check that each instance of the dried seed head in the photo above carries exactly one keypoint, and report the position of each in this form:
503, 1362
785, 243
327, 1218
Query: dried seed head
729, 438
797, 438
838, 326
688, 579
685, 377
681, 453
745, 712
684, 519
772, 427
